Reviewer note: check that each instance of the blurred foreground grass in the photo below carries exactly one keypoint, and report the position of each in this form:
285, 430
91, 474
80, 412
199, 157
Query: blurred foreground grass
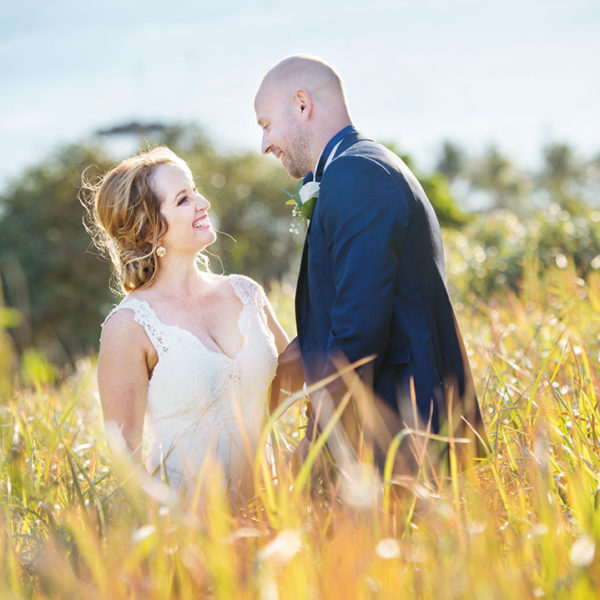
524, 524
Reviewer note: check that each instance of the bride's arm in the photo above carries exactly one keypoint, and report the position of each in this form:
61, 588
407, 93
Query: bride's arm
123, 377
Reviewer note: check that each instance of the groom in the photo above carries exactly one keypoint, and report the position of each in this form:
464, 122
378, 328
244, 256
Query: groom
372, 281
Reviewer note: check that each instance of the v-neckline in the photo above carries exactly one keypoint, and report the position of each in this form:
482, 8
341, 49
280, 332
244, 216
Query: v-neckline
193, 336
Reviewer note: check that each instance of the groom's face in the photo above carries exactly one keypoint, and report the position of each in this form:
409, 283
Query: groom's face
284, 134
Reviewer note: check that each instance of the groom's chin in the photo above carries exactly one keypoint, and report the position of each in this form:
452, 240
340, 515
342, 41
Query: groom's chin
291, 168
295, 172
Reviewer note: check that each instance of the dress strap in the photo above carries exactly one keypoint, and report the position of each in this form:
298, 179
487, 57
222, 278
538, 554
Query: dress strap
146, 317
248, 291
253, 300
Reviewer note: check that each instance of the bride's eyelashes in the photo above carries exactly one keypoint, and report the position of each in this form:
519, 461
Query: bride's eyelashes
185, 198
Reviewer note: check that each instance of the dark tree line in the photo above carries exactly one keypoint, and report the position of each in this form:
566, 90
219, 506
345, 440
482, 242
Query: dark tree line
55, 279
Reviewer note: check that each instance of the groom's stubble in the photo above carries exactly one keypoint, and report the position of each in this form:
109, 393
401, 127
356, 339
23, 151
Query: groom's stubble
298, 152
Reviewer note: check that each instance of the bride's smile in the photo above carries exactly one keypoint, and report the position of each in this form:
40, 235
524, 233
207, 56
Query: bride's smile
202, 222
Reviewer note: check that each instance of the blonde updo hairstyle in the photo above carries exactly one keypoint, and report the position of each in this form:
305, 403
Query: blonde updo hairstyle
124, 216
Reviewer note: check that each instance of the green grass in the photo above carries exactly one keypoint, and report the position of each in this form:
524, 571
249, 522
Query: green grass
523, 524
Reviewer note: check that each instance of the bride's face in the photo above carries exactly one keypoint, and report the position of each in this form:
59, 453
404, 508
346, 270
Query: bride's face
184, 209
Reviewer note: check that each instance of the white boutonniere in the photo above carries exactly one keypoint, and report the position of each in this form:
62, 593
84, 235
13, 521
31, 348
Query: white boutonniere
303, 201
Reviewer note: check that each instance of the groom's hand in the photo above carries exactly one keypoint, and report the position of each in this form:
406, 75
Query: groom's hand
289, 367
289, 376
300, 454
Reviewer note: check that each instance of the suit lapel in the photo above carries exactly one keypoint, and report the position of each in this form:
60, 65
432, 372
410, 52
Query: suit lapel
301, 300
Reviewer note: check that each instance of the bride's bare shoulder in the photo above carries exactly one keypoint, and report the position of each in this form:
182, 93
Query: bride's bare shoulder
118, 317
119, 323
121, 326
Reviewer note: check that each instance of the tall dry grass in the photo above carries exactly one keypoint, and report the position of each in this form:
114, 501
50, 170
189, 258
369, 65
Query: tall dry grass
523, 524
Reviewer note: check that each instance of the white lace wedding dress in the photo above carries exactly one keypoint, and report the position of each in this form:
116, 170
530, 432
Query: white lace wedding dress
202, 404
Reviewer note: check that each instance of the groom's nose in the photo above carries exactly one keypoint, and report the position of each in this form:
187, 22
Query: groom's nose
266, 145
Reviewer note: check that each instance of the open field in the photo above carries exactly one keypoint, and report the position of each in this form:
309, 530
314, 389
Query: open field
524, 524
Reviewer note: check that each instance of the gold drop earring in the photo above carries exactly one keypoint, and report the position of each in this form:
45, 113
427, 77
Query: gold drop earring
161, 250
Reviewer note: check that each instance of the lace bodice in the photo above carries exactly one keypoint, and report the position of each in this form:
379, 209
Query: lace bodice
202, 403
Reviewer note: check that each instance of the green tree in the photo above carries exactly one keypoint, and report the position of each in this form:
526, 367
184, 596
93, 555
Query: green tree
49, 272
246, 195
497, 175
452, 161
437, 188
52, 274
560, 175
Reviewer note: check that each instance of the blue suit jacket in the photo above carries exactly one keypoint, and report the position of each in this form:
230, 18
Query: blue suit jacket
372, 282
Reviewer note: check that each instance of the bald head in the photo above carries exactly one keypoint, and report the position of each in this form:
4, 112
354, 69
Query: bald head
300, 105
307, 73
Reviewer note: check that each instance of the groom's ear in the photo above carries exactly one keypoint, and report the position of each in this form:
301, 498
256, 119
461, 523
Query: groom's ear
303, 104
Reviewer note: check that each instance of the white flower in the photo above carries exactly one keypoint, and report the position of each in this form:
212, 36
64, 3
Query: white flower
303, 202
388, 548
582, 551
309, 190
282, 548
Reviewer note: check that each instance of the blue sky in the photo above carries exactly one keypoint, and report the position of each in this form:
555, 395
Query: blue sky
515, 73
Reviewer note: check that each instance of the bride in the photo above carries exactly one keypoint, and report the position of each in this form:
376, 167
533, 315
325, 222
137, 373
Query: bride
188, 356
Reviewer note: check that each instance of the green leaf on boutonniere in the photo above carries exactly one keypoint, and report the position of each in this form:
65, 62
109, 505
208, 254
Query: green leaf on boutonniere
307, 208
